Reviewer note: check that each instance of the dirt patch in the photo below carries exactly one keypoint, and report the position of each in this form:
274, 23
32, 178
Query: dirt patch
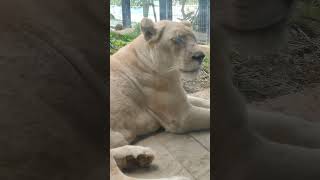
289, 71
198, 84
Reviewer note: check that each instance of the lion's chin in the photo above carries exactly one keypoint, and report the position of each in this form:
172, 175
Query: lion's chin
189, 74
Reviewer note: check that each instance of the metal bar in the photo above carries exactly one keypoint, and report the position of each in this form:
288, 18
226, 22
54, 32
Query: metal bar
203, 15
126, 14
169, 8
163, 9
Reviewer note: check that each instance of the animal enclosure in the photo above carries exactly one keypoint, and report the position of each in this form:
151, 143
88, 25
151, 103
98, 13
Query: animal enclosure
127, 13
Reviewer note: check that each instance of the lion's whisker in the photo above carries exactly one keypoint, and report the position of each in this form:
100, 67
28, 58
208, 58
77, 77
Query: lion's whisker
172, 68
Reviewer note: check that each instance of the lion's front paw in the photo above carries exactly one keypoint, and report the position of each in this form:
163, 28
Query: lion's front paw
132, 156
145, 160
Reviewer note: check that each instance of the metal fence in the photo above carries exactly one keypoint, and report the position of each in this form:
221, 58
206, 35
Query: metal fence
129, 12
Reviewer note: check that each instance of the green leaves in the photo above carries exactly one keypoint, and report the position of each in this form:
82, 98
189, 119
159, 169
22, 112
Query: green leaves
117, 41
206, 64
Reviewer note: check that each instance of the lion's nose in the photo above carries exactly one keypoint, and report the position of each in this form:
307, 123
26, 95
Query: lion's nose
198, 56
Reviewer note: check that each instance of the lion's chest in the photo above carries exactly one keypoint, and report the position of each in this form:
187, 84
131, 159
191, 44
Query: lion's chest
128, 109
159, 101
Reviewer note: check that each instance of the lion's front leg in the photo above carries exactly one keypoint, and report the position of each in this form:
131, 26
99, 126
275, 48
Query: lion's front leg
200, 102
195, 118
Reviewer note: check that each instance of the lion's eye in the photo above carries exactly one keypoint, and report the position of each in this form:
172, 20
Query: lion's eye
178, 40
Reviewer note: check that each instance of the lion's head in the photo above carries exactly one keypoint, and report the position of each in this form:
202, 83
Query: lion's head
173, 47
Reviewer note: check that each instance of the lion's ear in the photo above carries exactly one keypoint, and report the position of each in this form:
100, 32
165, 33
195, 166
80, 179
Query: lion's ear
148, 29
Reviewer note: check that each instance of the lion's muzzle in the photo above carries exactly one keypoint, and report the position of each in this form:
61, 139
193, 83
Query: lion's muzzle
198, 56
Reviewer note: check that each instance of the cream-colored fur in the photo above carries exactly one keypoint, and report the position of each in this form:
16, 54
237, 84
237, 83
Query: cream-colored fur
147, 94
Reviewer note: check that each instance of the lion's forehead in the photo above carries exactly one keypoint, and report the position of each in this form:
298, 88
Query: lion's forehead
181, 31
176, 27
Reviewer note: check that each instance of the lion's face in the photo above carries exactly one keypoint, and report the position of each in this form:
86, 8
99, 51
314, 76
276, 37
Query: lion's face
174, 46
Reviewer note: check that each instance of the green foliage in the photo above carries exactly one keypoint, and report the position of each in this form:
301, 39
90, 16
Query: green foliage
117, 41
138, 3
206, 64
115, 2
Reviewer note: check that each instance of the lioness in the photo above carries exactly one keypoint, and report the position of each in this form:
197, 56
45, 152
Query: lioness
146, 91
